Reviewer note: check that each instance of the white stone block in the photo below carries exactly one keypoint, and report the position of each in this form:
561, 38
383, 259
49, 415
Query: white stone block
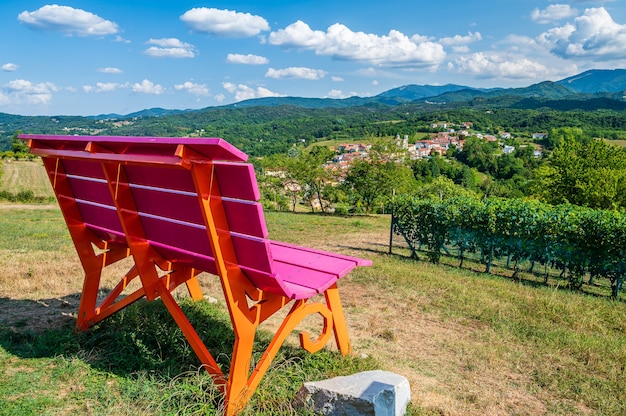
375, 393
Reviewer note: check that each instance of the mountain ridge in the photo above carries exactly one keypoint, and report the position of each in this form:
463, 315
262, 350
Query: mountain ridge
594, 83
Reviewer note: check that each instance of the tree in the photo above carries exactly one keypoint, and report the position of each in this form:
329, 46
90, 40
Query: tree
478, 154
19, 146
373, 180
443, 188
307, 169
591, 174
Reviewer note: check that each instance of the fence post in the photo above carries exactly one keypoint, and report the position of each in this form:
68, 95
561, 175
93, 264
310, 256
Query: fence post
393, 194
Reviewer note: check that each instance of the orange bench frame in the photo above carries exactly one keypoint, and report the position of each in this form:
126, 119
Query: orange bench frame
105, 165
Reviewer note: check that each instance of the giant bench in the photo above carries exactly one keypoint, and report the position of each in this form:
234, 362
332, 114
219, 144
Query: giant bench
178, 207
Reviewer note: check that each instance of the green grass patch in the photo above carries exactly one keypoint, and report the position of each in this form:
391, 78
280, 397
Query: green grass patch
33, 230
138, 362
303, 227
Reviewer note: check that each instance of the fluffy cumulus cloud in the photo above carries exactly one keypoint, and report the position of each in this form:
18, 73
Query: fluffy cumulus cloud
169, 48
244, 92
235, 58
104, 87
228, 23
67, 20
110, 70
148, 87
296, 73
499, 66
339, 42
553, 13
192, 88
22, 92
9, 67
593, 35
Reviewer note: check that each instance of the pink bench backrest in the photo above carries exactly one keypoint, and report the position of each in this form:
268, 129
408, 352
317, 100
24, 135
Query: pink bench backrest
166, 198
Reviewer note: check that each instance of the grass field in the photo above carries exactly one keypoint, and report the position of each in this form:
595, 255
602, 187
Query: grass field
469, 343
620, 143
25, 175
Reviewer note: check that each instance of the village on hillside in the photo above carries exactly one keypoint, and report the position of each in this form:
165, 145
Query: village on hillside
450, 136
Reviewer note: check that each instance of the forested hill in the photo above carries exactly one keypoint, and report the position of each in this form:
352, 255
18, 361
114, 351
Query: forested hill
272, 125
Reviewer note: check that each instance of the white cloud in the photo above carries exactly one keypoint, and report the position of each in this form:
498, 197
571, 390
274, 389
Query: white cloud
9, 67
227, 23
68, 21
169, 48
394, 49
298, 35
220, 97
553, 13
461, 40
235, 58
148, 87
337, 79
110, 70
195, 89
334, 93
104, 87
499, 66
20, 91
244, 92
593, 35
296, 73
460, 49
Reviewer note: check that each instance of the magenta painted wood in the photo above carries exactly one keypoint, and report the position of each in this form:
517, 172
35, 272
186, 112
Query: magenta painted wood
161, 177
254, 253
177, 235
312, 261
245, 217
310, 278
171, 215
297, 292
358, 261
83, 168
108, 235
104, 218
181, 207
201, 261
237, 181
88, 190
209, 148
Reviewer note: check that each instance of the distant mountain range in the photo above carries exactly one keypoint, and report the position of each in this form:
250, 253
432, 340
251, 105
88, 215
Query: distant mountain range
284, 118
588, 90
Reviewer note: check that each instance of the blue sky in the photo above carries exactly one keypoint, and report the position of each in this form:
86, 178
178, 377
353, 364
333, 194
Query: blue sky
94, 57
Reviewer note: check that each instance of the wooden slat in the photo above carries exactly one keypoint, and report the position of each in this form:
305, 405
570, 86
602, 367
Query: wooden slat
168, 204
83, 168
245, 217
279, 245
161, 177
237, 180
89, 189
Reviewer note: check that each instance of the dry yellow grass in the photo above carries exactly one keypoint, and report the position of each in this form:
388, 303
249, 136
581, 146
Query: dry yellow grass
25, 175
